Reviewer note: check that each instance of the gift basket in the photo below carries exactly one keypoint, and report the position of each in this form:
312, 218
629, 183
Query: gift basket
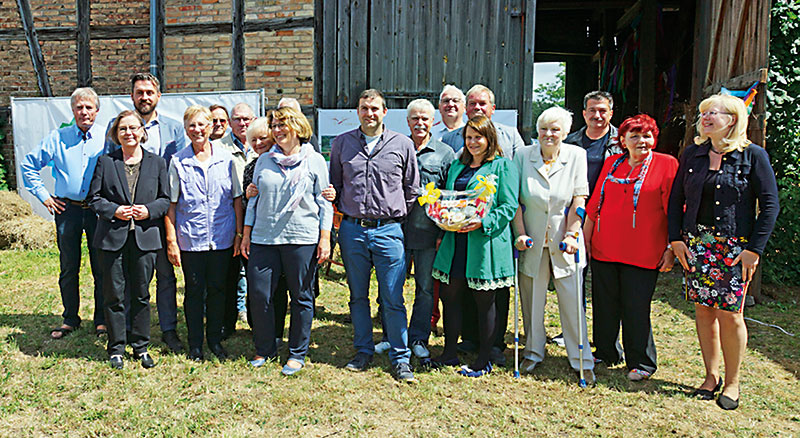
452, 210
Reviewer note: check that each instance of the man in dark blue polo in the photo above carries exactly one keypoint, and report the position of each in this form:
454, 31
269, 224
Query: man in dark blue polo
374, 171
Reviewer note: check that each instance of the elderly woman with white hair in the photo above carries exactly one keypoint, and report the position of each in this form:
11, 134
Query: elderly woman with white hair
553, 186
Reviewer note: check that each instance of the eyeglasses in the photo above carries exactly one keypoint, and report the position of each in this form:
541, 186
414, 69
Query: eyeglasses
277, 126
220, 121
455, 100
128, 128
713, 114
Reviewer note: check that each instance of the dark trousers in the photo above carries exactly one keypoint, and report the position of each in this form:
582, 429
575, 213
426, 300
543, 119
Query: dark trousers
469, 331
452, 296
204, 273
231, 294
166, 291
131, 269
622, 292
70, 225
298, 264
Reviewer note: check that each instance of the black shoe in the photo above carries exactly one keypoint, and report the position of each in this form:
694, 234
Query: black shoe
218, 351
173, 341
147, 361
705, 394
727, 403
196, 354
467, 346
116, 361
497, 357
359, 363
402, 373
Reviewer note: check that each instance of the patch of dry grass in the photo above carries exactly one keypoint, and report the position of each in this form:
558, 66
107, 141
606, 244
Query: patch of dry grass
20, 228
65, 388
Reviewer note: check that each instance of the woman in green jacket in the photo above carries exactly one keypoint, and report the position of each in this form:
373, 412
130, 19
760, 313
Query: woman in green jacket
477, 259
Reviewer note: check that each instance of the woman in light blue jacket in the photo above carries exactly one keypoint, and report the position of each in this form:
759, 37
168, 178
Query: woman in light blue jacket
287, 230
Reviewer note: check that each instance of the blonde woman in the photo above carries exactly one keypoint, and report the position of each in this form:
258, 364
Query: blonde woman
717, 236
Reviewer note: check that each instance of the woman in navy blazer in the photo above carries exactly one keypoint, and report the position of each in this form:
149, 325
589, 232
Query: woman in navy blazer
129, 193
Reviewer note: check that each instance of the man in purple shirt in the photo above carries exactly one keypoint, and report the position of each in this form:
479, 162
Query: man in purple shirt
374, 171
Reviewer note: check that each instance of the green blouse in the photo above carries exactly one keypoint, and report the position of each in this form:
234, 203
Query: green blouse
490, 263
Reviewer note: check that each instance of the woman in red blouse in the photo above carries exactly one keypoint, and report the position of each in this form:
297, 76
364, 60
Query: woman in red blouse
626, 241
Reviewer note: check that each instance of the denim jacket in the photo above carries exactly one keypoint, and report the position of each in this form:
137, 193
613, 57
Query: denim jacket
433, 160
744, 177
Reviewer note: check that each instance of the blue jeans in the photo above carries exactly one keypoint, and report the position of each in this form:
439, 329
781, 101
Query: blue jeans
382, 247
70, 225
419, 328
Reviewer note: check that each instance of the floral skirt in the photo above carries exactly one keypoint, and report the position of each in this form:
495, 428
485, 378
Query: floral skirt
715, 282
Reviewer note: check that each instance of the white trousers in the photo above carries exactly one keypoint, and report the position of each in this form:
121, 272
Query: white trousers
533, 297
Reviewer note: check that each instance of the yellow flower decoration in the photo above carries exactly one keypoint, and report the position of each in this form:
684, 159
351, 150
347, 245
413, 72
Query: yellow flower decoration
430, 195
486, 186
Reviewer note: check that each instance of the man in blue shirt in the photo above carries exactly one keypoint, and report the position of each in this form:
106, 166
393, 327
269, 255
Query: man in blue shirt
165, 137
72, 151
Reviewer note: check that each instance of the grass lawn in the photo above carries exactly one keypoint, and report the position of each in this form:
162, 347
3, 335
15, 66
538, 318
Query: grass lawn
66, 388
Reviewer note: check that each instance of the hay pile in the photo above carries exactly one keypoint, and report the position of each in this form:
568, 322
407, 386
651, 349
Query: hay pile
20, 228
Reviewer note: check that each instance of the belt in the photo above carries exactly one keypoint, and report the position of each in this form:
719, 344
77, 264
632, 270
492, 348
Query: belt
81, 204
371, 223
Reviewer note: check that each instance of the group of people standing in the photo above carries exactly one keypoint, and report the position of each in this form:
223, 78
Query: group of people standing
255, 208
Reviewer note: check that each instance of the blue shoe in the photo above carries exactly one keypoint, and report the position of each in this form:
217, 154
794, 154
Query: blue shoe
258, 362
382, 347
419, 349
289, 371
469, 372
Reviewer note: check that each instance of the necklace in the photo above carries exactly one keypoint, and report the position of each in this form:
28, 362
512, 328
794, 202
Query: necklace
718, 153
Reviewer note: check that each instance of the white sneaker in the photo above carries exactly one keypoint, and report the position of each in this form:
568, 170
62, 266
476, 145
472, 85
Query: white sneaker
382, 347
419, 350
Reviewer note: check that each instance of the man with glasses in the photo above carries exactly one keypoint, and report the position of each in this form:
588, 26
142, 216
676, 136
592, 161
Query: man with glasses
219, 121
165, 137
72, 151
236, 286
451, 107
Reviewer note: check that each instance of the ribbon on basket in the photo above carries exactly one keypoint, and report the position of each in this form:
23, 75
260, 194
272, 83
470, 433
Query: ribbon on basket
486, 186
430, 195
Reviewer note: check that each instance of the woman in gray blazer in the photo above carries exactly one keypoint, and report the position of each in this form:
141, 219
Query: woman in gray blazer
553, 186
129, 193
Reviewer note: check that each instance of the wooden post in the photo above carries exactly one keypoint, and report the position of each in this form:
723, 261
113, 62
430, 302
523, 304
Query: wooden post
647, 57
528, 40
37, 59
237, 46
83, 42
157, 25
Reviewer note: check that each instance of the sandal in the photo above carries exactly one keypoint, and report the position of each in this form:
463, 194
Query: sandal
63, 332
707, 394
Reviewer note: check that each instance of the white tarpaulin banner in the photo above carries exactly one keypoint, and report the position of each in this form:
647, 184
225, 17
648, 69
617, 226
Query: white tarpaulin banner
333, 122
33, 118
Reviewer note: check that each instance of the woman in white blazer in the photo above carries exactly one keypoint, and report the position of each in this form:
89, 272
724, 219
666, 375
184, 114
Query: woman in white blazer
553, 185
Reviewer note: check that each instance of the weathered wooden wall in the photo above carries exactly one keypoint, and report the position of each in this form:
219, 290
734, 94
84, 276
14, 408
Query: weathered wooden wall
732, 51
411, 48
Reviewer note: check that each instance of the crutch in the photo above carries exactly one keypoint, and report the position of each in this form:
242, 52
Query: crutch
563, 247
528, 243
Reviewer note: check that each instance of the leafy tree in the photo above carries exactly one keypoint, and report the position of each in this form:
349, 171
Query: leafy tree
550, 93
783, 141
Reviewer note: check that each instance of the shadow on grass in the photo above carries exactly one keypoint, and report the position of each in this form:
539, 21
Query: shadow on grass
31, 335
776, 346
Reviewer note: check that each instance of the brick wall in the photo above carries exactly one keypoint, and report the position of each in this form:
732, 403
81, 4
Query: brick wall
281, 62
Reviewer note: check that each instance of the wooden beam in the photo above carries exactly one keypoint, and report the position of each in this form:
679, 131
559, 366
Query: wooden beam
647, 57
739, 82
527, 53
717, 37
34, 48
740, 35
582, 5
237, 46
157, 41
83, 41
135, 31
629, 15
318, 53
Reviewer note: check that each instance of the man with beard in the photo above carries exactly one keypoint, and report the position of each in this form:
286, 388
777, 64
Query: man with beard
165, 137
219, 121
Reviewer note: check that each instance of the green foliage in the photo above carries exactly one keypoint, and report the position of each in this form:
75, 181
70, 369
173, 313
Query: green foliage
550, 93
783, 139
